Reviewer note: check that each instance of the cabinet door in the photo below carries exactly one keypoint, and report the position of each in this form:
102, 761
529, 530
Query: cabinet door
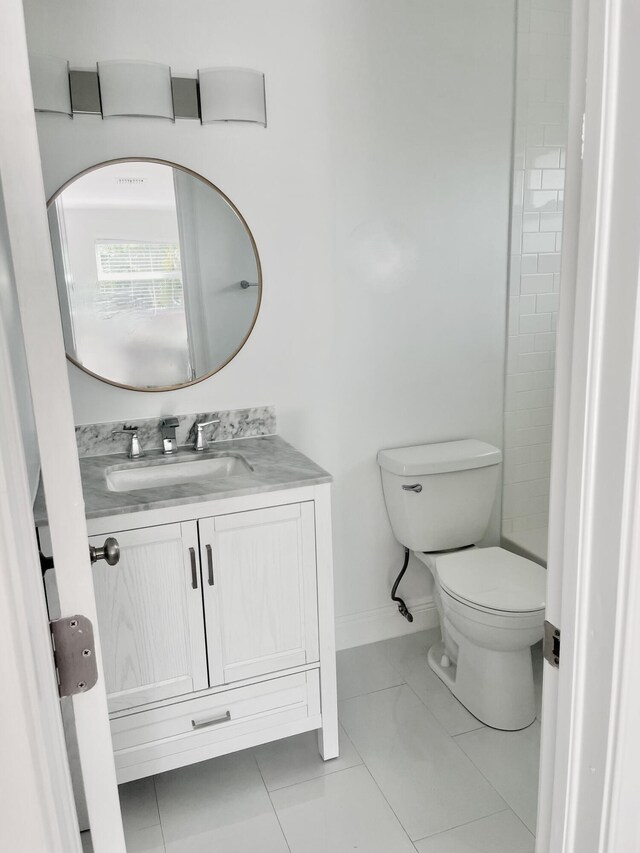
150, 616
259, 582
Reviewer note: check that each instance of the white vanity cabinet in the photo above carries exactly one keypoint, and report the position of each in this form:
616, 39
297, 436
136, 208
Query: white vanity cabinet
150, 616
260, 599
216, 627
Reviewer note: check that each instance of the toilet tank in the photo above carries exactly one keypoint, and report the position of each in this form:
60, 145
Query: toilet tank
440, 496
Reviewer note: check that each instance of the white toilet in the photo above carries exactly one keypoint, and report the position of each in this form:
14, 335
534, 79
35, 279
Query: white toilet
491, 602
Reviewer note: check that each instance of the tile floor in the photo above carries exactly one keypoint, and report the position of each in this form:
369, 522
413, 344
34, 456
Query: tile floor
416, 774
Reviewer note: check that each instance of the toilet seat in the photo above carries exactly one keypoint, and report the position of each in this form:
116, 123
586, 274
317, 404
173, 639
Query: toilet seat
493, 580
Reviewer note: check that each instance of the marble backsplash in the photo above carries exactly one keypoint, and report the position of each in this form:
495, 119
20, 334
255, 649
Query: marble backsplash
99, 439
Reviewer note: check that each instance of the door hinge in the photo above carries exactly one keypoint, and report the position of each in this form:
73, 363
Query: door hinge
74, 654
551, 644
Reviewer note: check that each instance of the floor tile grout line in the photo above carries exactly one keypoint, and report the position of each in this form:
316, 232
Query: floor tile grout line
489, 782
382, 794
371, 692
449, 734
275, 811
465, 823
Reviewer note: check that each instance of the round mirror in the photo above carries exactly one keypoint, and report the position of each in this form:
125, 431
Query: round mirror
158, 275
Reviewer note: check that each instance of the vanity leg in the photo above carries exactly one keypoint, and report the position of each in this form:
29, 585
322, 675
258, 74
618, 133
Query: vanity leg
328, 734
328, 746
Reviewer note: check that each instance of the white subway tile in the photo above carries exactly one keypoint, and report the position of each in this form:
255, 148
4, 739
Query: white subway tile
529, 264
522, 343
534, 323
550, 221
529, 435
545, 112
541, 417
547, 302
541, 242
535, 135
517, 420
539, 283
531, 222
540, 487
550, 262
557, 90
542, 200
559, 241
532, 399
559, 50
545, 341
552, 179
527, 304
533, 180
542, 158
555, 135
543, 379
529, 362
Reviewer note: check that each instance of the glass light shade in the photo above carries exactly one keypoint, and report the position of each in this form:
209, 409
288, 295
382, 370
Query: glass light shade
50, 84
232, 94
129, 88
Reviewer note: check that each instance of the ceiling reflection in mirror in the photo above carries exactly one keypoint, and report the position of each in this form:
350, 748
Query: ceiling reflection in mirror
158, 274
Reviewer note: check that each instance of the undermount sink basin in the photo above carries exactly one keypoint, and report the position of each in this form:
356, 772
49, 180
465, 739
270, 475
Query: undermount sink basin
167, 472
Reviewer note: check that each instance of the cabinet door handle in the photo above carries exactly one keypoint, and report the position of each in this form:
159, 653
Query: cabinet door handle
216, 721
210, 564
194, 569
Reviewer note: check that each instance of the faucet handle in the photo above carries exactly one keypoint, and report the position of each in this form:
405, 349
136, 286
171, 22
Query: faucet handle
135, 449
201, 442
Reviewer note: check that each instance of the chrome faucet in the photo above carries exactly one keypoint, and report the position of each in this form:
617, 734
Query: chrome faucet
200, 443
168, 428
135, 448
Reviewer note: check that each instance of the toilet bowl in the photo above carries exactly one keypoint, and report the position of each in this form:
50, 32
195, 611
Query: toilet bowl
491, 602
491, 606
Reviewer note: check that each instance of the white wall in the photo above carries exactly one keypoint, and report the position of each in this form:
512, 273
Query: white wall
378, 197
10, 319
542, 83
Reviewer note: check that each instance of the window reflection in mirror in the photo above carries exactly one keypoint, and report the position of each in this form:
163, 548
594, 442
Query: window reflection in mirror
149, 262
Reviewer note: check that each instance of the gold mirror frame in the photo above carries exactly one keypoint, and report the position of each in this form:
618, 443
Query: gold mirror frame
253, 246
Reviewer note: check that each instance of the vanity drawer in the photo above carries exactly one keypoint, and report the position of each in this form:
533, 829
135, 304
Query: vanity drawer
211, 720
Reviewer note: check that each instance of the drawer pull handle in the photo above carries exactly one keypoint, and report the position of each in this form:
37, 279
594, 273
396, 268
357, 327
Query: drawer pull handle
215, 722
194, 568
210, 564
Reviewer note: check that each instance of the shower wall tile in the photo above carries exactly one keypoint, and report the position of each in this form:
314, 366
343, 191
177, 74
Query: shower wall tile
542, 77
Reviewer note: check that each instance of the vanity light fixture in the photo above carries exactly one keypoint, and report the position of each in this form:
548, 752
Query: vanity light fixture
50, 83
232, 94
121, 88
134, 88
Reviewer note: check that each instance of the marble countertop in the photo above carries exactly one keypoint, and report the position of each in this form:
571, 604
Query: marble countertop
276, 465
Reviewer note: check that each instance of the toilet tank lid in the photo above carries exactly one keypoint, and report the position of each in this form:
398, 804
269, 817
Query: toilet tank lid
439, 458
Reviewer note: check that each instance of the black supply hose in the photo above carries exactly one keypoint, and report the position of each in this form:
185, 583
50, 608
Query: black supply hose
402, 607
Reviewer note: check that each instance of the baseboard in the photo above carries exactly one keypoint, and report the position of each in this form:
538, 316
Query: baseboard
383, 623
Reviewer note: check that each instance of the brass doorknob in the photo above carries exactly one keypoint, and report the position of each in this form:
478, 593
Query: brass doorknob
110, 552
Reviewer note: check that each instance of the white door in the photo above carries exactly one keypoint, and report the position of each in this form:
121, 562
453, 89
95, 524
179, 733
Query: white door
150, 616
30, 248
260, 598
588, 780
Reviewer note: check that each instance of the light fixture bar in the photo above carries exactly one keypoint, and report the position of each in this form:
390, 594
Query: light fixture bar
147, 89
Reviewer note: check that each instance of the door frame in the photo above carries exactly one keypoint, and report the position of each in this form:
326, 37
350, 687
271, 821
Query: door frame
589, 770
31, 255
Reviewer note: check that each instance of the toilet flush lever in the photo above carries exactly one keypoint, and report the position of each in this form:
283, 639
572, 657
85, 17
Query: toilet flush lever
415, 488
